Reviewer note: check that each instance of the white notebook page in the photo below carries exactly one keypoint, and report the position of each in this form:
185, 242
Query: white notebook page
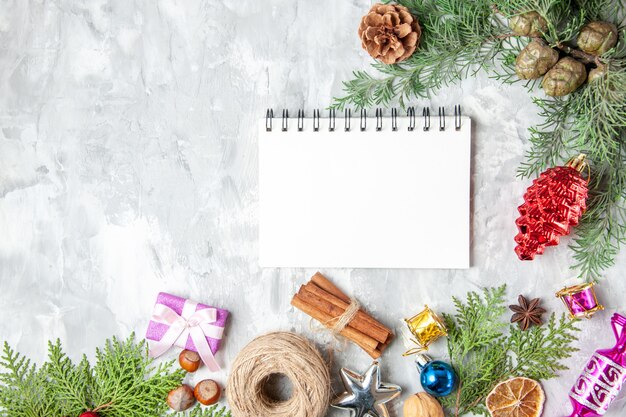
365, 199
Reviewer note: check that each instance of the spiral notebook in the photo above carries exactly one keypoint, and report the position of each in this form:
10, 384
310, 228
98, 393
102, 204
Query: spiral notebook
365, 191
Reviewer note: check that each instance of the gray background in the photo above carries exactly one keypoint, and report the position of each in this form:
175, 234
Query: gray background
128, 166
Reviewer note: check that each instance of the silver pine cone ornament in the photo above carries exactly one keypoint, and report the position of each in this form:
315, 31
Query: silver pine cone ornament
564, 78
528, 24
597, 37
535, 60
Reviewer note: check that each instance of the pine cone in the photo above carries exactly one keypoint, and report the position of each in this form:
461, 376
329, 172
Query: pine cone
535, 60
597, 37
564, 78
597, 73
528, 24
389, 33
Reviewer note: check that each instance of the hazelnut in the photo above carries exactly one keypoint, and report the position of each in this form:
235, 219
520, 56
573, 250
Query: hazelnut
207, 392
422, 404
181, 398
189, 360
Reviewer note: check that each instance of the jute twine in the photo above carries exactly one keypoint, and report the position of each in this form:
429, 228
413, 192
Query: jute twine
283, 353
342, 321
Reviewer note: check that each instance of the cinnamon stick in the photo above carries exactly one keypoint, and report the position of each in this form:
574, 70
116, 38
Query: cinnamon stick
368, 344
335, 307
323, 282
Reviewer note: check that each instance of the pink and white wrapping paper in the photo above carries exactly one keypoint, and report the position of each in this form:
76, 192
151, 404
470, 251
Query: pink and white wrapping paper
187, 324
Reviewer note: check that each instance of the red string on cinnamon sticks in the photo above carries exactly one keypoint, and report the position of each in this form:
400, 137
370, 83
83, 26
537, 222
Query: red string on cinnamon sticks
326, 303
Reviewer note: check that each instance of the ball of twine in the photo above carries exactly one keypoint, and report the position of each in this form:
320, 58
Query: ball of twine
283, 353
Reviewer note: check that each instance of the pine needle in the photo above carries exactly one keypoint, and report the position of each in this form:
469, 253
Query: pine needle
462, 37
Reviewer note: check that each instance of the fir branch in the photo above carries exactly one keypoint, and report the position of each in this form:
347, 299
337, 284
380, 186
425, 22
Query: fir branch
125, 381
539, 351
460, 38
485, 350
453, 47
24, 389
200, 411
68, 380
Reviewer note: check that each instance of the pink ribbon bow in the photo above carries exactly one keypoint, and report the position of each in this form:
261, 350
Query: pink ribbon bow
197, 324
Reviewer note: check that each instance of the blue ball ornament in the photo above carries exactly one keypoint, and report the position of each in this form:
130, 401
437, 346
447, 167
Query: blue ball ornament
438, 378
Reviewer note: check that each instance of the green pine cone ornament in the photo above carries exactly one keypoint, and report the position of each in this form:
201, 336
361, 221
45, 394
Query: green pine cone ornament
564, 78
535, 60
528, 24
597, 37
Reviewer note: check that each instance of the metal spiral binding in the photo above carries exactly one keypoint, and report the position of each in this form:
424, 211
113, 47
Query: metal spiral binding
457, 117
316, 120
379, 119
285, 120
269, 116
426, 114
410, 112
332, 116
363, 120
300, 120
442, 119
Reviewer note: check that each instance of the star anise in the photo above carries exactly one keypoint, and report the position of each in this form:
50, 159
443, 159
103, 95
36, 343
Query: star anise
527, 312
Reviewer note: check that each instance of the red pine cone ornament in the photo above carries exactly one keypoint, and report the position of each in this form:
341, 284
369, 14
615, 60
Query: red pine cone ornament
552, 204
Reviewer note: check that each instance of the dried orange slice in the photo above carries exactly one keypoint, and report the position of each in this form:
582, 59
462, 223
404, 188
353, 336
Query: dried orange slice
516, 397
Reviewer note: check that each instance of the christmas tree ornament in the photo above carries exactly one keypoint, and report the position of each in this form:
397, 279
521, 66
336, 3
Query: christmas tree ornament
564, 78
597, 37
422, 404
516, 397
528, 24
184, 323
279, 353
554, 203
389, 33
437, 377
527, 313
425, 327
535, 60
89, 414
365, 394
580, 300
603, 377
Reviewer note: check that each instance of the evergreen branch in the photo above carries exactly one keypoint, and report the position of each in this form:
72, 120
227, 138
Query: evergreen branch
539, 351
200, 411
127, 380
453, 47
24, 391
460, 38
124, 382
483, 353
68, 381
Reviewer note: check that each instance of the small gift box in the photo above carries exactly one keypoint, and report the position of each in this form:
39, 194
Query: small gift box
189, 325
